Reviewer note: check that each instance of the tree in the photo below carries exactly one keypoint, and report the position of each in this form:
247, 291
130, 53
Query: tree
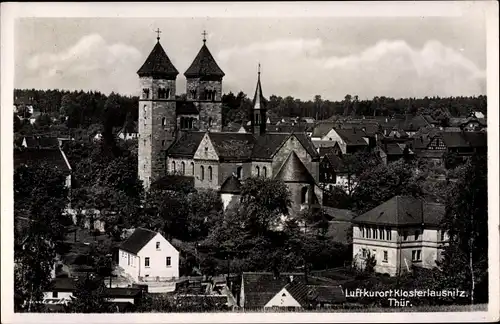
384, 182
17, 124
465, 261
89, 297
263, 202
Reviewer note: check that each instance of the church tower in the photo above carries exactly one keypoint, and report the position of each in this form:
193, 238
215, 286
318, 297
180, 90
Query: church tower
204, 88
157, 116
259, 117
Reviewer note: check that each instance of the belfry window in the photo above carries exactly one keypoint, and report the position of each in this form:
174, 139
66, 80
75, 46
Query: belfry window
163, 121
162, 94
145, 93
183, 166
303, 195
257, 170
202, 171
264, 172
210, 175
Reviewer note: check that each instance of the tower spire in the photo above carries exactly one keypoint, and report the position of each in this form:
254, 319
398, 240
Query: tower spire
158, 32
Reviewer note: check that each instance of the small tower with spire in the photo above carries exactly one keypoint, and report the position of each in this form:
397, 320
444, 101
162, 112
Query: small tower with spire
259, 116
204, 88
157, 116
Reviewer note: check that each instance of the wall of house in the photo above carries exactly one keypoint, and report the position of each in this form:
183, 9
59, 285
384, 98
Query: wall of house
283, 299
206, 182
189, 168
129, 263
64, 295
260, 172
157, 259
332, 136
376, 247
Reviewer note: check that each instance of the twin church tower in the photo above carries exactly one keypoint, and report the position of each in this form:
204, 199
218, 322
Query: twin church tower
163, 118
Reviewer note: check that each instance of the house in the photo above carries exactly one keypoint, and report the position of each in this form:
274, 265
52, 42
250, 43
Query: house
62, 290
335, 173
399, 233
52, 156
287, 291
148, 256
128, 132
350, 140
40, 142
390, 151
435, 145
230, 192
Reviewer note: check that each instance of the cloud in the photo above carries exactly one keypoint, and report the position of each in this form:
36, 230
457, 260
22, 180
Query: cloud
91, 63
303, 68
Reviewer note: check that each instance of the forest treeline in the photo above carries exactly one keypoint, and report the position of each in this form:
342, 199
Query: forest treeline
80, 109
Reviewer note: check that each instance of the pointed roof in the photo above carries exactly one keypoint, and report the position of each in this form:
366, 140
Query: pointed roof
158, 64
138, 240
204, 65
258, 99
293, 170
232, 185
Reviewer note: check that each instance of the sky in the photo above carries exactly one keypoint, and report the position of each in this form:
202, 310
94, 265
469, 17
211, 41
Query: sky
299, 57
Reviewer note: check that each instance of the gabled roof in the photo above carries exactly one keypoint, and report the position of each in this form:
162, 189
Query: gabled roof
293, 170
232, 146
268, 144
42, 142
33, 157
260, 287
403, 211
158, 64
184, 107
322, 128
326, 294
299, 292
137, 240
352, 137
232, 185
62, 284
454, 139
187, 145
204, 65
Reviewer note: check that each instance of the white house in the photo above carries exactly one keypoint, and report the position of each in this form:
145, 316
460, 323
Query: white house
230, 192
148, 256
400, 233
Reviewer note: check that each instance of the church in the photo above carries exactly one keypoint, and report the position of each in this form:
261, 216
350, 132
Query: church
185, 137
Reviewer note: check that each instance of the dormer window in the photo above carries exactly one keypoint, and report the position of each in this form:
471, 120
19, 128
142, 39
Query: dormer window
145, 93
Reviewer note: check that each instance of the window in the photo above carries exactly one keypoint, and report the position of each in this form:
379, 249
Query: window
128, 260
210, 173
264, 172
416, 255
375, 233
417, 235
157, 245
144, 166
210, 122
405, 235
183, 168
206, 149
173, 166
168, 93
369, 233
381, 233
303, 195
388, 234
193, 94
386, 257
163, 121
192, 168
239, 172
145, 93
257, 170
146, 262
364, 253
442, 235
168, 261
55, 294
161, 93
202, 171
